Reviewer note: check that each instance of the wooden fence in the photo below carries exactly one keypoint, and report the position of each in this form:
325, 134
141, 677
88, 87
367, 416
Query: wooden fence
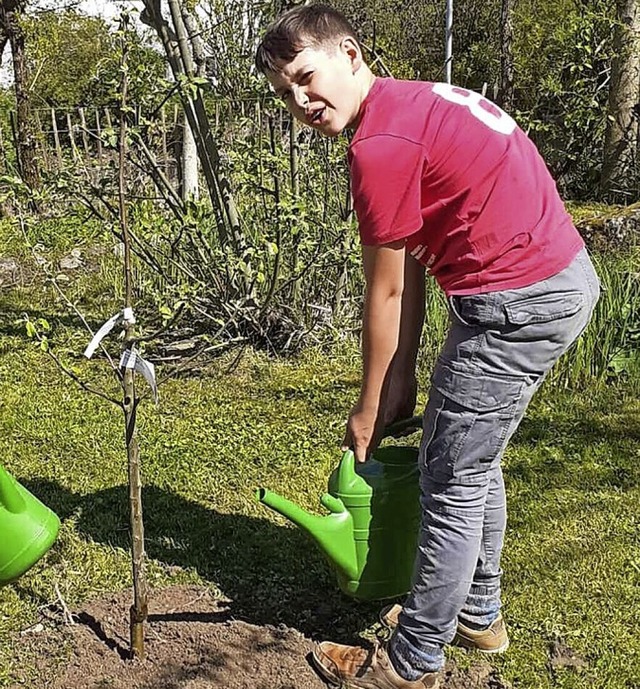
77, 137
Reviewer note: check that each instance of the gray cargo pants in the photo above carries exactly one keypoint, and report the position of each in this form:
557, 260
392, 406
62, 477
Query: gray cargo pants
499, 348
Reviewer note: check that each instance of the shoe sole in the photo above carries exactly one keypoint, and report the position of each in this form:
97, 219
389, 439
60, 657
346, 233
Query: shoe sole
324, 673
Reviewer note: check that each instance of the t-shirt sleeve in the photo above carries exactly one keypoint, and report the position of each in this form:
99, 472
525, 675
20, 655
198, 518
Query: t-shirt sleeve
386, 175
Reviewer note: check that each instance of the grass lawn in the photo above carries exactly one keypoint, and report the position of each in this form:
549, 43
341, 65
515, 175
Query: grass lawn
571, 560
572, 564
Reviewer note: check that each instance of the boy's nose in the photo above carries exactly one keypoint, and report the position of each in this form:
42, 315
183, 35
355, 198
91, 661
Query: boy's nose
300, 98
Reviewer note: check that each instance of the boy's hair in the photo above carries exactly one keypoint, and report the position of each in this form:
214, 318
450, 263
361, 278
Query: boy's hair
302, 27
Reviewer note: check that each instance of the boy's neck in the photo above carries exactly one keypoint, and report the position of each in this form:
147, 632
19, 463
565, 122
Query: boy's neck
367, 79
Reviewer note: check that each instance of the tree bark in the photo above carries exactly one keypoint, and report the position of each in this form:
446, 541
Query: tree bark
179, 51
190, 189
11, 27
620, 174
505, 94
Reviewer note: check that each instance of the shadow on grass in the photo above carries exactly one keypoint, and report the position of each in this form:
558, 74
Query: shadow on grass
12, 320
273, 574
587, 452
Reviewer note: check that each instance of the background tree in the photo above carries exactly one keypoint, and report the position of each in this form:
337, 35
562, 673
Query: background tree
73, 60
12, 32
620, 174
505, 92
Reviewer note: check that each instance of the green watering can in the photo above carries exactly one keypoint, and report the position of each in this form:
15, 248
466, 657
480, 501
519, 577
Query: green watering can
371, 536
27, 528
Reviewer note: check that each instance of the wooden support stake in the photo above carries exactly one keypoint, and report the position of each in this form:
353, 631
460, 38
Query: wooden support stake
74, 148
56, 137
98, 135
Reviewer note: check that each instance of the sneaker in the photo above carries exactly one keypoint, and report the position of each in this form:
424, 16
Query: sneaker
494, 639
353, 667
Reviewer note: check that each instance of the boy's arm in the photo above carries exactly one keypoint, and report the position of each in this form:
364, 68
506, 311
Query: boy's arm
401, 395
384, 268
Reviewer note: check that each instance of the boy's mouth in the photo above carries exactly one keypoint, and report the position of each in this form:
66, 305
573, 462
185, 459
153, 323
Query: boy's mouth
315, 117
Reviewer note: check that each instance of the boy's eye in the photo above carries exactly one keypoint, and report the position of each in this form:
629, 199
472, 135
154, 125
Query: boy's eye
306, 77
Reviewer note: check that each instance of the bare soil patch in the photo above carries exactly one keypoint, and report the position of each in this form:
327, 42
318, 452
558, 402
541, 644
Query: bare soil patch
192, 642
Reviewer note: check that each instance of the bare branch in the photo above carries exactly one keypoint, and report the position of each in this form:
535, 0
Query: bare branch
81, 383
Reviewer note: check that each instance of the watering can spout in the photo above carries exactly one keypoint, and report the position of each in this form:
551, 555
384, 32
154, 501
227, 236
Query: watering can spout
333, 533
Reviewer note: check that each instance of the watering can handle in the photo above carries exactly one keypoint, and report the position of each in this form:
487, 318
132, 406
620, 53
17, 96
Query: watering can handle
411, 425
406, 427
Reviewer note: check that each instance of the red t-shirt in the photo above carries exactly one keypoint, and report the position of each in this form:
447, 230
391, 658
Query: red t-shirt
447, 170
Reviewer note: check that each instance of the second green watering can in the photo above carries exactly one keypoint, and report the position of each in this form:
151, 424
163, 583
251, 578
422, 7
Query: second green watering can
370, 536
27, 529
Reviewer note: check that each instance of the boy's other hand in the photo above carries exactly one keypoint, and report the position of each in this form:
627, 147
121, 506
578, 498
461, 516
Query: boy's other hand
363, 433
401, 398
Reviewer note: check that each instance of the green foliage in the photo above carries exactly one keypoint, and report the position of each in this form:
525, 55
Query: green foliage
609, 349
74, 60
562, 53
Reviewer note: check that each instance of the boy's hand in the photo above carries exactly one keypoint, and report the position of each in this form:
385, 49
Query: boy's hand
363, 432
401, 398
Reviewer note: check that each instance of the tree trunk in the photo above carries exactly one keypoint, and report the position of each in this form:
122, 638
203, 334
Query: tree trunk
189, 149
190, 188
139, 609
505, 95
620, 172
179, 53
26, 136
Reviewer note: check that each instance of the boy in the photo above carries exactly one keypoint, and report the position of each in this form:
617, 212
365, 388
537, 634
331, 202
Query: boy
443, 181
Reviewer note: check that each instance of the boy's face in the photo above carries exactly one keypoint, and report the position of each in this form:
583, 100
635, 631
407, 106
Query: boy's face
320, 86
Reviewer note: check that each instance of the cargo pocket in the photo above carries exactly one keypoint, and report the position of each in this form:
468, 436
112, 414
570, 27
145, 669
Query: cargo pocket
466, 424
544, 308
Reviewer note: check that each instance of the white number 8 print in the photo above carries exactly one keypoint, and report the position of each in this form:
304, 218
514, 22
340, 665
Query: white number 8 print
498, 120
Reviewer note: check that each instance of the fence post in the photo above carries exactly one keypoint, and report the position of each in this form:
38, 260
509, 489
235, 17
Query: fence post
3, 155
85, 138
41, 145
165, 154
14, 137
56, 137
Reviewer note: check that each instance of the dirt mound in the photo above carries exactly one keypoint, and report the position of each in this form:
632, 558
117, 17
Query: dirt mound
192, 642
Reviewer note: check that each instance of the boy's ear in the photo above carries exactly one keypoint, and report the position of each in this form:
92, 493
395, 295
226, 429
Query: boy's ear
350, 47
